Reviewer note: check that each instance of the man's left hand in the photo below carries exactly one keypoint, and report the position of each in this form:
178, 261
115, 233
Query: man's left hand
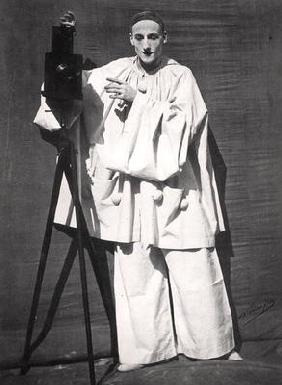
120, 90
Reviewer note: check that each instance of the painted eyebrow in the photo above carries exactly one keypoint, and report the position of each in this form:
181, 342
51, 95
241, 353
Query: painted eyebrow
153, 34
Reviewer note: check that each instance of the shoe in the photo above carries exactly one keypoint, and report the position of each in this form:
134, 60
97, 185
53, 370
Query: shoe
234, 356
129, 367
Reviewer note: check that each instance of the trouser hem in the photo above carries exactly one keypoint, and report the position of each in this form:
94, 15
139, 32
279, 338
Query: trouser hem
210, 356
157, 357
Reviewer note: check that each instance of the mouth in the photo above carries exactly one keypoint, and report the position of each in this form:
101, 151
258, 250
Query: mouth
147, 53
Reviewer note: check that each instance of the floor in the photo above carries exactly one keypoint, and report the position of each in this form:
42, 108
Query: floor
175, 372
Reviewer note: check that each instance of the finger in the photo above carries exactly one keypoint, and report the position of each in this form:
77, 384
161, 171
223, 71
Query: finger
71, 14
114, 93
115, 96
112, 89
66, 18
67, 23
113, 85
115, 80
122, 103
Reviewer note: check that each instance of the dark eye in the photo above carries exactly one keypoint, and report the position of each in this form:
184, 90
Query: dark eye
138, 37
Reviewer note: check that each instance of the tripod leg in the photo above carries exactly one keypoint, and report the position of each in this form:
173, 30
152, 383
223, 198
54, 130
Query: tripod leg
100, 267
42, 265
68, 264
101, 272
83, 277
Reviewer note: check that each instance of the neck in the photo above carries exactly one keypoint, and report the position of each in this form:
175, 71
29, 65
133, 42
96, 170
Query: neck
151, 67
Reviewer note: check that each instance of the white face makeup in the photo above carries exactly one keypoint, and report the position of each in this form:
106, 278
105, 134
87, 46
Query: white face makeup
148, 39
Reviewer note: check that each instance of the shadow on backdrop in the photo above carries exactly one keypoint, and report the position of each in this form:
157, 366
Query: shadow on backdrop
223, 240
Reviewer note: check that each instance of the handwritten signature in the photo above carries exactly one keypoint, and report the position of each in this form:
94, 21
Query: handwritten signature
256, 310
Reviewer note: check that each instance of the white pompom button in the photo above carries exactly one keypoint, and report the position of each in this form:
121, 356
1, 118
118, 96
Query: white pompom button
183, 204
116, 199
157, 196
142, 87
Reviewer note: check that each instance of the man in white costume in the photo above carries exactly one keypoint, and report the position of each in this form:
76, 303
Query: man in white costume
150, 188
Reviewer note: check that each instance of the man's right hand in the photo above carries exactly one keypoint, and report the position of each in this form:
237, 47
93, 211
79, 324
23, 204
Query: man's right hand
68, 20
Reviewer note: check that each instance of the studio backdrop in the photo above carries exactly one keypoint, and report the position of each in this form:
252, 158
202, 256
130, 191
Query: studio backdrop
234, 48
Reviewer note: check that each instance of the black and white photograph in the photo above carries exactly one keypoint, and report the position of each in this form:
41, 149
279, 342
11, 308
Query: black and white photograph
141, 192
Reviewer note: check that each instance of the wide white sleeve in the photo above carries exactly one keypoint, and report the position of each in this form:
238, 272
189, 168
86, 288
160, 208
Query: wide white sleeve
51, 114
45, 117
158, 133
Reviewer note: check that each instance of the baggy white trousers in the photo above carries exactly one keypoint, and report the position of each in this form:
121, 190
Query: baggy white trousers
170, 302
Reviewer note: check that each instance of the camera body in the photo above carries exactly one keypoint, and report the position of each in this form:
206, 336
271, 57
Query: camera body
63, 68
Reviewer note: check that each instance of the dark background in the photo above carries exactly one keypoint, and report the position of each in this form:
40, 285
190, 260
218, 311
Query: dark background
234, 48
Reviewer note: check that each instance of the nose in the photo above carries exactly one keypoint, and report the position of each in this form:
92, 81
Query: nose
146, 45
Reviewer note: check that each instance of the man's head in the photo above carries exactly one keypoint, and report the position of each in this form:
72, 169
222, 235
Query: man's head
147, 36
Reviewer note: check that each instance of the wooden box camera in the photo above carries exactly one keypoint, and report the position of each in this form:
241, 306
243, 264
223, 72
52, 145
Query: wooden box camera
63, 68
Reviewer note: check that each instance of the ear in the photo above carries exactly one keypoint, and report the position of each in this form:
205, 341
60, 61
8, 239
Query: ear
131, 38
165, 37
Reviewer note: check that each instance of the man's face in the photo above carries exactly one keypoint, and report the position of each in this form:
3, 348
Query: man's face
148, 39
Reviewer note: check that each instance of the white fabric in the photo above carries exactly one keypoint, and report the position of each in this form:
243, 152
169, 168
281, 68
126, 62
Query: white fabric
161, 140
162, 193
144, 318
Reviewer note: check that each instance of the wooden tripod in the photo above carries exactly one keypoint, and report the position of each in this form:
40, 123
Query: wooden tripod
67, 164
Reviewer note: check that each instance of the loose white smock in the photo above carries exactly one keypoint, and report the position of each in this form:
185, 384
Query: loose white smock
163, 191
